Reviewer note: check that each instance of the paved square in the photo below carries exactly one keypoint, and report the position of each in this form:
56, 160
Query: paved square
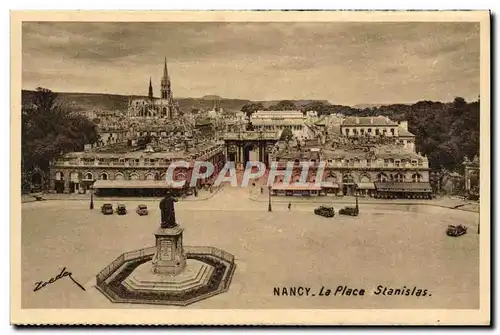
393, 246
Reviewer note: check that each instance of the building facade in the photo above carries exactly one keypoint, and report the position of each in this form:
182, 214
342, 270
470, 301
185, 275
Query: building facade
279, 120
378, 126
127, 173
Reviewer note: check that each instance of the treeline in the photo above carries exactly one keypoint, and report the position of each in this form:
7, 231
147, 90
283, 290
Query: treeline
445, 132
48, 131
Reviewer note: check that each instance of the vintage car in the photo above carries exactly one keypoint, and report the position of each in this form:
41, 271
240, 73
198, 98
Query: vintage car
351, 211
456, 231
107, 209
39, 198
327, 212
142, 210
121, 209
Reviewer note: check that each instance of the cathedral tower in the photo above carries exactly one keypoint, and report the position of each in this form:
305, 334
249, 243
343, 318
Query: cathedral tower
166, 92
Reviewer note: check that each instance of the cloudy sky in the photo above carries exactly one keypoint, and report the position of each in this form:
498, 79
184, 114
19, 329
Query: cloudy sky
345, 63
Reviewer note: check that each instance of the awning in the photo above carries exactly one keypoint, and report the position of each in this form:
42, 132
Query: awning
293, 187
131, 184
327, 184
403, 187
366, 186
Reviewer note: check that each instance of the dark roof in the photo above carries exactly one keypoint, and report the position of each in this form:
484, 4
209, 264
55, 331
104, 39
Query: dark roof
407, 187
203, 122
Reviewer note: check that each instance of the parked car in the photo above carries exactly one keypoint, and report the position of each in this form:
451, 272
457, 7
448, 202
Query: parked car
107, 209
351, 211
328, 212
456, 231
39, 198
121, 209
142, 210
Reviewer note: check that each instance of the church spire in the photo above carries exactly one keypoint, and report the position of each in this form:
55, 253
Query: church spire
150, 93
165, 70
166, 92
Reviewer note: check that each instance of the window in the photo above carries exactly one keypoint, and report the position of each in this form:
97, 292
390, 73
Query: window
413, 163
347, 179
397, 163
416, 178
386, 162
420, 163
347, 131
369, 130
103, 176
377, 132
382, 177
392, 131
399, 178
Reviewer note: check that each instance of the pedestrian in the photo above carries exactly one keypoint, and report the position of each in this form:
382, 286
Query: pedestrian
290, 205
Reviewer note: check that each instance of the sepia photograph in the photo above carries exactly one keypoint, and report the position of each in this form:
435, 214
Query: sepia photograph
294, 162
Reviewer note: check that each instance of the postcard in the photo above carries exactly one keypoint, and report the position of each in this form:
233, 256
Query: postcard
250, 168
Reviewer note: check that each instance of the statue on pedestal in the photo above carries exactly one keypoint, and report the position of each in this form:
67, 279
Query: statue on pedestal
167, 211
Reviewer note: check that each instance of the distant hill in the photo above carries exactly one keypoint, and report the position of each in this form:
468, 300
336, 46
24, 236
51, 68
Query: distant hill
298, 103
103, 101
363, 106
211, 97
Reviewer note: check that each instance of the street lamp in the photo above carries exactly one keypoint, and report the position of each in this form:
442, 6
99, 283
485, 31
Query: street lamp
436, 177
269, 208
356, 194
91, 197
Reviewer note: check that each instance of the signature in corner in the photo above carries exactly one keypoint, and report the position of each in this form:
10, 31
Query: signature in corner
41, 284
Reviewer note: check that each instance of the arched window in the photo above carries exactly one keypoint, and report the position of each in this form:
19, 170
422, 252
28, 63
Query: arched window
150, 176
59, 176
88, 176
364, 178
347, 179
103, 176
382, 177
331, 177
416, 178
134, 176
119, 176
180, 176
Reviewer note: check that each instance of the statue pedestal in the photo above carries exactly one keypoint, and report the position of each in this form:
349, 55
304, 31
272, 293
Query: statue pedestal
169, 258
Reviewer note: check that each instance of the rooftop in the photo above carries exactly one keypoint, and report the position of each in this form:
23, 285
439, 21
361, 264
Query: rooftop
368, 121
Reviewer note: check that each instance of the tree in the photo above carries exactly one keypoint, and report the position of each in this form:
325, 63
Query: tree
286, 135
49, 131
283, 105
317, 106
251, 108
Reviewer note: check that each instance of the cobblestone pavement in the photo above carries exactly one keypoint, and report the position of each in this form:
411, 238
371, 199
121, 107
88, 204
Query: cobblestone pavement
386, 245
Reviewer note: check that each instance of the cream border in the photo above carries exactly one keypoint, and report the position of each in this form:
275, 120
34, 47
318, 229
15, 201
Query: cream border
249, 317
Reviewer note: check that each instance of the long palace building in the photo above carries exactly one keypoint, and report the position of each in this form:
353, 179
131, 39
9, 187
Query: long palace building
114, 172
372, 156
